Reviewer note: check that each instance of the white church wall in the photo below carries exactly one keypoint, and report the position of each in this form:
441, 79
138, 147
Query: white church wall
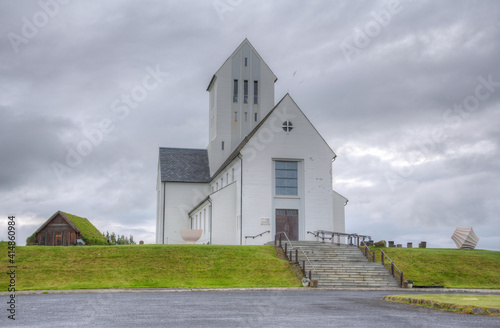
303, 144
225, 225
180, 198
339, 202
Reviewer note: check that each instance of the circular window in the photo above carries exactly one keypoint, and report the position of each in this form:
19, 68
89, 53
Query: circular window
287, 126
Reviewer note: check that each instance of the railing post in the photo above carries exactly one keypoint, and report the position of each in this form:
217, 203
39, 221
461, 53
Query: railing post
392, 268
373, 257
309, 274
358, 240
304, 268
291, 257
280, 241
401, 282
382, 256
297, 256
275, 241
286, 249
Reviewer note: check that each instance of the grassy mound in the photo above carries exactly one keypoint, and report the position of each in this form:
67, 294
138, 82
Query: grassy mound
146, 266
453, 268
471, 304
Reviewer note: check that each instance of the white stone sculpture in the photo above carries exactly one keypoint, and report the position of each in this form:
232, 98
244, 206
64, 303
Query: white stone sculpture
465, 238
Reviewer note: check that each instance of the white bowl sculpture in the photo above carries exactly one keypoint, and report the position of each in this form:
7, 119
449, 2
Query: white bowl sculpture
191, 236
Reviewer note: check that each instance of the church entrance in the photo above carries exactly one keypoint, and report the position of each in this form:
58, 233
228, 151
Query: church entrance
287, 220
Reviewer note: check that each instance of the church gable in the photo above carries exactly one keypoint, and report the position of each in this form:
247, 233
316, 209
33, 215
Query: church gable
288, 125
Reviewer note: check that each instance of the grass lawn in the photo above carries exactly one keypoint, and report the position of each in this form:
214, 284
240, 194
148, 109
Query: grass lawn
453, 268
489, 304
143, 266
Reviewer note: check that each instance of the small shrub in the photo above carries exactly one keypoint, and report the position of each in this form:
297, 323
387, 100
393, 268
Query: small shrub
381, 243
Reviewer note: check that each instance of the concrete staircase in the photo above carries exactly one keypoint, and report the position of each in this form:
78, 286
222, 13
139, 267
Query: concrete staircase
342, 266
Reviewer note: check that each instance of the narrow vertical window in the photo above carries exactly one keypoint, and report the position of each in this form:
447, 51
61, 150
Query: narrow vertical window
255, 118
217, 185
246, 61
245, 92
246, 116
222, 182
235, 91
255, 92
233, 175
223, 145
235, 116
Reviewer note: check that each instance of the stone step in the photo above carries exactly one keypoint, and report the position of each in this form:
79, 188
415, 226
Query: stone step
342, 266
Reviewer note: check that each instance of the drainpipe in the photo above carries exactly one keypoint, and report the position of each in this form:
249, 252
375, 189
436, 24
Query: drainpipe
163, 211
210, 213
241, 199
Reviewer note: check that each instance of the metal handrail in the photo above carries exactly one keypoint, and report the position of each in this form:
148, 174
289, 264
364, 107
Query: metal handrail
321, 234
393, 265
314, 269
260, 234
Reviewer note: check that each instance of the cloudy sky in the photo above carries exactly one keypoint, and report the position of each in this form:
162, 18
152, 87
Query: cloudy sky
407, 93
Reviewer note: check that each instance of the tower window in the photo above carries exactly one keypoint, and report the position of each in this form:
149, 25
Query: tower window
255, 117
255, 92
235, 116
246, 61
235, 91
222, 145
245, 91
246, 116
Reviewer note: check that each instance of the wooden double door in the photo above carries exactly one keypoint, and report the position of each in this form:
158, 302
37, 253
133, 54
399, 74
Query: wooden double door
287, 220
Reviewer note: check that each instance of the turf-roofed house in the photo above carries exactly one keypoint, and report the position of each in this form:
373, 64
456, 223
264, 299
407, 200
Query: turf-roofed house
64, 229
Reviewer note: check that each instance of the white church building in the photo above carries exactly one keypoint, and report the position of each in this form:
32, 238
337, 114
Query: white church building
266, 168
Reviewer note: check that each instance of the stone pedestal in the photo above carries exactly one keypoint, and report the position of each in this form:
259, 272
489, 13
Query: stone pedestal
409, 245
391, 243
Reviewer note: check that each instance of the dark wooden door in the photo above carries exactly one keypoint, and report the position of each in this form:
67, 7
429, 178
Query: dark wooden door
58, 241
288, 221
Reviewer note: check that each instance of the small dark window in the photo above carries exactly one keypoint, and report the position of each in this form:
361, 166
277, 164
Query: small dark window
246, 61
245, 92
235, 91
255, 118
223, 145
287, 126
255, 92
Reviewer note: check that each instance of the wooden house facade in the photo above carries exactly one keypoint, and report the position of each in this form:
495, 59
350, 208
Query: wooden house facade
58, 231
64, 229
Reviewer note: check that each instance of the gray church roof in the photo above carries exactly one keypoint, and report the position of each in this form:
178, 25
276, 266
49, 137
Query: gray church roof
184, 165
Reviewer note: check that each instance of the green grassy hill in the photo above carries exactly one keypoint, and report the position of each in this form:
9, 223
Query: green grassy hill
144, 266
453, 268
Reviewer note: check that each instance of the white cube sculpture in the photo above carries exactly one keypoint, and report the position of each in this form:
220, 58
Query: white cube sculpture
465, 238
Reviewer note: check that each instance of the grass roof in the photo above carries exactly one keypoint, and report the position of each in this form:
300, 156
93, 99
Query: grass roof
89, 232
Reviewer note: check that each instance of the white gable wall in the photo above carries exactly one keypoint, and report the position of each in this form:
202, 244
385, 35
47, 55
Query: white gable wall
303, 144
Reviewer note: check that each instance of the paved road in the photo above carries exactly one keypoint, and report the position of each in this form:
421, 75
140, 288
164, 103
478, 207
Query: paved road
309, 308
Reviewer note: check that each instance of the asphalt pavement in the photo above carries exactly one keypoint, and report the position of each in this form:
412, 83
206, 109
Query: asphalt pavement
231, 308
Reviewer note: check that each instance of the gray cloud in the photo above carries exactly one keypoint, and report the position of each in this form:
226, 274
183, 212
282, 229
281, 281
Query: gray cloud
377, 110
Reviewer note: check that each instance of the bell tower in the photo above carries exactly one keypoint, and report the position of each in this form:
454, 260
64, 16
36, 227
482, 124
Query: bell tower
241, 94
